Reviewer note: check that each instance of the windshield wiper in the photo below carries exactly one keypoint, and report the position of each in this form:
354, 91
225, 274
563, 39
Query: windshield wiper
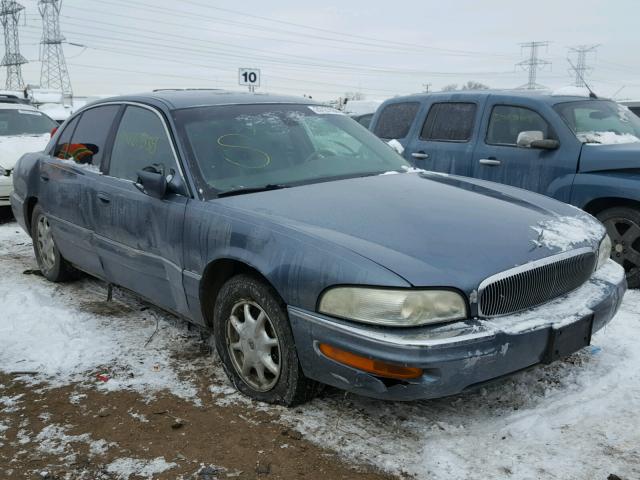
243, 190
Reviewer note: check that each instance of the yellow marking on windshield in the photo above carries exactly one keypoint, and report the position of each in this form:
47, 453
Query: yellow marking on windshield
220, 141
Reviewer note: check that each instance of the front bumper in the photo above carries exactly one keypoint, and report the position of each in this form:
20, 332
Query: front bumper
6, 187
454, 356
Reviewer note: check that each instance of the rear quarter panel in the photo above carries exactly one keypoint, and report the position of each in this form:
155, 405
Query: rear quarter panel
25, 186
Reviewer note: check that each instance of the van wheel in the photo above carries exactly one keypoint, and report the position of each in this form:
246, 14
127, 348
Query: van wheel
623, 226
52, 265
254, 340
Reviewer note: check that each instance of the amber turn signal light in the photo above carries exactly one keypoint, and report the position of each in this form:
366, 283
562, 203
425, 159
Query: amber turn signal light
375, 367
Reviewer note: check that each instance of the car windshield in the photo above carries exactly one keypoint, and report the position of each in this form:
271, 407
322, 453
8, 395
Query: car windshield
601, 121
255, 146
24, 122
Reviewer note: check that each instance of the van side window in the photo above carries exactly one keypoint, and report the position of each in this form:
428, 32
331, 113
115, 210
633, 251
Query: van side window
449, 122
396, 119
507, 122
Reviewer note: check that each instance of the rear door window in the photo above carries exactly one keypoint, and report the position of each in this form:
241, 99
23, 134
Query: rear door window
507, 122
396, 120
141, 141
64, 139
449, 122
90, 137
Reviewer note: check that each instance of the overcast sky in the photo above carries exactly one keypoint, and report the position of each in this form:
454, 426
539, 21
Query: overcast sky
378, 48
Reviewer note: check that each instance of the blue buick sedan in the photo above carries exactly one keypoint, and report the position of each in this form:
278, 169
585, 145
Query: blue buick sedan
313, 252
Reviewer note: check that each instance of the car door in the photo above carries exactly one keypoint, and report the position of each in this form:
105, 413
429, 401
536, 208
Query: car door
445, 141
498, 157
139, 237
67, 176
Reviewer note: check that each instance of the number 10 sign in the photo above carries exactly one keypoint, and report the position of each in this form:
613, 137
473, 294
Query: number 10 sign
249, 77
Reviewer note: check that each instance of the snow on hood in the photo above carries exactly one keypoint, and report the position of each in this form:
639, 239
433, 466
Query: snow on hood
607, 138
565, 232
13, 147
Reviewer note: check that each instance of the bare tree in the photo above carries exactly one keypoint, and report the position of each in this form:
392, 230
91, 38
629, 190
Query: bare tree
470, 85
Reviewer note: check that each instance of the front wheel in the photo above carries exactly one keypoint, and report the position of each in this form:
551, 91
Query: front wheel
254, 340
623, 226
52, 265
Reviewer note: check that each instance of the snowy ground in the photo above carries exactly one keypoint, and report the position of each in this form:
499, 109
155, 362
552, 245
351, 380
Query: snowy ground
575, 419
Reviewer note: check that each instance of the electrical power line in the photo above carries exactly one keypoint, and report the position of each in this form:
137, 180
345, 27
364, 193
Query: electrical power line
533, 63
54, 73
13, 60
580, 67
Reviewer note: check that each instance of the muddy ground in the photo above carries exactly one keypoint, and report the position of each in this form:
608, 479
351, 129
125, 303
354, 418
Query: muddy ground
217, 441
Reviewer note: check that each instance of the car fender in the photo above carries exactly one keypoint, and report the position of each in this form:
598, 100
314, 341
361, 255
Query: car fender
298, 265
589, 187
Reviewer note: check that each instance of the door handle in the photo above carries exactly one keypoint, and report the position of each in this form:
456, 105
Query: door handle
44, 177
492, 162
420, 155
104, 198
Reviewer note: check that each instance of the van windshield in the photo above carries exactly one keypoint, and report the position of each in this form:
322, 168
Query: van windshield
253, 146
600, 121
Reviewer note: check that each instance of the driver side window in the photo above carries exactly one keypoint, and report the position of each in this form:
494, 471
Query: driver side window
141, 141
507, 122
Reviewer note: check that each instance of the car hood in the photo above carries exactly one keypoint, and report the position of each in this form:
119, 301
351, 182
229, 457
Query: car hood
13, 147
624, 156
432, 230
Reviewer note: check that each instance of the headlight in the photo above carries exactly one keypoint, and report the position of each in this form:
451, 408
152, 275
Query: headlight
397, 308
604, 252
3, 172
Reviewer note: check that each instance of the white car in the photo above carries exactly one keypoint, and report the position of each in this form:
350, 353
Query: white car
23, 129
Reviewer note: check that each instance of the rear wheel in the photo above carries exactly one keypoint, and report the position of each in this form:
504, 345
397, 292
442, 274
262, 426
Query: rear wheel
254, 340
623, 226
52, 265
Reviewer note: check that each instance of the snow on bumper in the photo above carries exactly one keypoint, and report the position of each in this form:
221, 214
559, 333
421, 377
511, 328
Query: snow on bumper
453, 356
6, 187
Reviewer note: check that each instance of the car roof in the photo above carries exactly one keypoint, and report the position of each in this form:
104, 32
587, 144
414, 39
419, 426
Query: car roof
177, 99
17, 106
544, 96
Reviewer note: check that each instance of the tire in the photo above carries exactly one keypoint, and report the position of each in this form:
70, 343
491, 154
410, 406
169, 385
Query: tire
52, 265
623, 226
266, 343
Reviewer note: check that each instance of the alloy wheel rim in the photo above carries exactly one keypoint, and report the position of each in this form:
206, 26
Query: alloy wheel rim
253, 346
46, 247
625, 242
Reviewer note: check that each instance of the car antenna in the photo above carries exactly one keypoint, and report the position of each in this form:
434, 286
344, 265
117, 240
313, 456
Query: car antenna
591, 92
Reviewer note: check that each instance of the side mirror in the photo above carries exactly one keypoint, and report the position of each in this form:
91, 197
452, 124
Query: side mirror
526, 138
152, 181
535, 139
546, 144
396, 146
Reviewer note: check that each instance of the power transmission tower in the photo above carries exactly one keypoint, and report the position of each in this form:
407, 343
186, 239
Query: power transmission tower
580, 70
533, 63
13, 60
54, 72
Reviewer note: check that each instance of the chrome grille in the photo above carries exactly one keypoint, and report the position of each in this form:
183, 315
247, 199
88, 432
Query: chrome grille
536, 283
